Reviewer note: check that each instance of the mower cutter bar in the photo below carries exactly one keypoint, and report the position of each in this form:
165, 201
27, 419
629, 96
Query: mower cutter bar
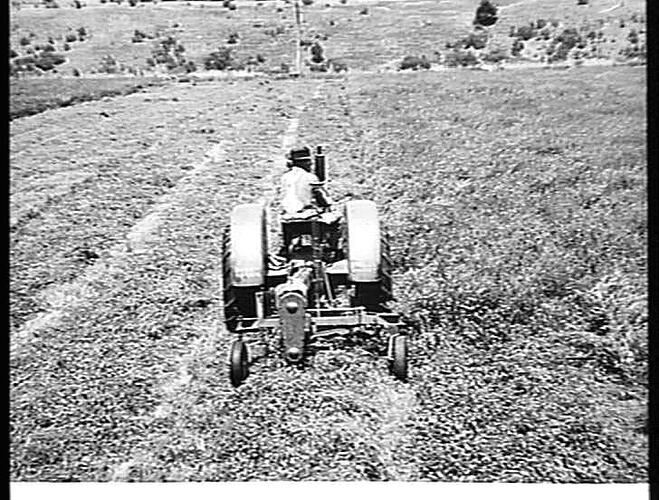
321, 318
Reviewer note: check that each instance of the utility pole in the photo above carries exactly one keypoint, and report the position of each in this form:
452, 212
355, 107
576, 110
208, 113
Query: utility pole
298, 44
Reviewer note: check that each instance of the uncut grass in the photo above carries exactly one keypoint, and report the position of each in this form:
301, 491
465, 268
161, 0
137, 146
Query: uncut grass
516, 205
35, 95
485, 352
85, 394
131, 158
132, 151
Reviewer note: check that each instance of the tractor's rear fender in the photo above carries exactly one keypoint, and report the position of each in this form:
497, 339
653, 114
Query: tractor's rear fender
248, 246
364, 241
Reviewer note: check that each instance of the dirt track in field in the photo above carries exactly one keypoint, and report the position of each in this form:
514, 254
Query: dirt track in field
117, 350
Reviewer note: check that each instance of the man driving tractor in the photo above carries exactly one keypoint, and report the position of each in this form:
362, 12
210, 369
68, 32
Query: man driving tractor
302, 190
305, 198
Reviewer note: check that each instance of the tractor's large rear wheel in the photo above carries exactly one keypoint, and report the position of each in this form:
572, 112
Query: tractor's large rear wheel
368, 255
244, 262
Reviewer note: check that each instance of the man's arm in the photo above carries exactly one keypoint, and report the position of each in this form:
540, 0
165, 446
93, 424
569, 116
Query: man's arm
320, 195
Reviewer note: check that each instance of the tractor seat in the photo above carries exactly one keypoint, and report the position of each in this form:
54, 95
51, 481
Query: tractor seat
309, 214
303, 215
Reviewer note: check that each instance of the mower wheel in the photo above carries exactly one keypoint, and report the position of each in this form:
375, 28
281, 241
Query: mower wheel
398, 360
238, 360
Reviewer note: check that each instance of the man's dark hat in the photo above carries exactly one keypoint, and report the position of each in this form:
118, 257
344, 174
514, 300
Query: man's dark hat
300, 154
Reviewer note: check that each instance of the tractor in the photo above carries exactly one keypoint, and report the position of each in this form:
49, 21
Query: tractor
331, 279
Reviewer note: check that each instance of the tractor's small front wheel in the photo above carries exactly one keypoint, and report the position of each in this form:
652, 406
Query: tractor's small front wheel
238, 363
398, 357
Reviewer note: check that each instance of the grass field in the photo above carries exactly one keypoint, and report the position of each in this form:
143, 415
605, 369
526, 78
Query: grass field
32, 96
516, 204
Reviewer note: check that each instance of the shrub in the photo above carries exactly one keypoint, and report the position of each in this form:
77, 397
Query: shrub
21, 64
459, 57
320, 67
232, 6
108, 64
338, 66
414, 63
559, 54
221, 59
252, 61
517, 48
25, 41
344, 2
168, 52
554, 22
70, 37
569, 38
46, 47
76, 72
317, 53
138, 36
12, 53
132, 3
24, 61
307, 2
633, 37
540, 23
233, 38
82, 33
190, 67
104, 1
475, 40
275, 31
495, 55
525, 33
48, 60
582, 2
171, 63
486, 14
77, 4
364, 11
632, 52
66, 47
50, 4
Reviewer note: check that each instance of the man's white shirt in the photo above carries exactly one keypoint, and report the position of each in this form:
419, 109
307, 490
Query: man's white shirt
296, 187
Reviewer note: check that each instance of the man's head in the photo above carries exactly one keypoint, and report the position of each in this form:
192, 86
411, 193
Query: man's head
300, 157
